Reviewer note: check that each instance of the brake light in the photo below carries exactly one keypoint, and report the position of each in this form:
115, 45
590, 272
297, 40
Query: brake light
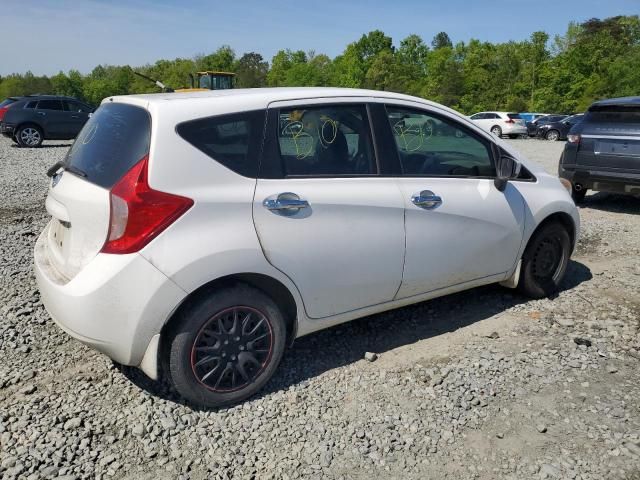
509, 121
573, 138
138, 212
3, 110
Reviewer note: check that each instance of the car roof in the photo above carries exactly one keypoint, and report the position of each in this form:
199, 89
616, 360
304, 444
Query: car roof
617, 101
259, 98
38, 96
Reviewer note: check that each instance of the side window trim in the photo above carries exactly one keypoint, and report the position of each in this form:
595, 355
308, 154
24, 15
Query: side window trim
488, 144
271, 164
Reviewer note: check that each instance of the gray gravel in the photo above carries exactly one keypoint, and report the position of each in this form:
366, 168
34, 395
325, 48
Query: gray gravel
479, 385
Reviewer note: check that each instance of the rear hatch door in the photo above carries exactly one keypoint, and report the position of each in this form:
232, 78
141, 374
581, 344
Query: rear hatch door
610, 138
114, 139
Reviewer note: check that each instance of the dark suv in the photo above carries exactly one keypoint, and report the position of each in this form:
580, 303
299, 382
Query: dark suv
35, 118
603, 150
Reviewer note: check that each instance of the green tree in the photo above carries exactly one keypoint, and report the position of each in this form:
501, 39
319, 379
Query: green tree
251, 70
441, 40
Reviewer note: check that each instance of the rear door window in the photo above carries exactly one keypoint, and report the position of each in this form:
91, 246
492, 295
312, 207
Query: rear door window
115, 138
49, 105
233, 140
326, 140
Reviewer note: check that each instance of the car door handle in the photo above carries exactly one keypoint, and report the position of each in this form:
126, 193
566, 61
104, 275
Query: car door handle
41, 113
426, 199
287, 201
75, 116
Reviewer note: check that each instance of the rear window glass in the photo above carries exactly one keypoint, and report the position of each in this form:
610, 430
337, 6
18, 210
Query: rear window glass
233, 140
7, 101
31, 104
514, 116
613, 114
115, 138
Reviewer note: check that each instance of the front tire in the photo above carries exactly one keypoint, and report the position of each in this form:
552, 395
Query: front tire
545, 261
29, 136
226, 346
496, 130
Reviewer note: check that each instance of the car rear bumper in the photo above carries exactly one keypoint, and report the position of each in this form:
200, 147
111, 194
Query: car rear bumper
605, 181
7, 129
514, 130
116, 304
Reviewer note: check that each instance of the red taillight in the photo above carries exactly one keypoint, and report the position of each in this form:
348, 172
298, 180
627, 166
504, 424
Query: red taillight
3, 110
573, 138
139, 213
509, 121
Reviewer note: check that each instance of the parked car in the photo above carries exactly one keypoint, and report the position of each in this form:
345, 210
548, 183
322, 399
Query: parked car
35, 118
530, 116
195, 238
603, 151
558, 130
532, 127
500, 123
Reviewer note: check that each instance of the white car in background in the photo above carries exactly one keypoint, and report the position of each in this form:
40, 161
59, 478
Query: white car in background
195, 235
500, 123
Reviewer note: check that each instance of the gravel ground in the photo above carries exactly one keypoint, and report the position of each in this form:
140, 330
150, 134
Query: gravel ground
478, 385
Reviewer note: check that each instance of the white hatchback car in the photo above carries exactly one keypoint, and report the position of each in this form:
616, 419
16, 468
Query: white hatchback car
500, 123
195, 234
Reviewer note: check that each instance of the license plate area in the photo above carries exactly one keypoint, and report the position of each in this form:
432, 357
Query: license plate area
617, 148
59, 237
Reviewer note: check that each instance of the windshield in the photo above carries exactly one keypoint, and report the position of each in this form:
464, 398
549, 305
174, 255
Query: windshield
115, 138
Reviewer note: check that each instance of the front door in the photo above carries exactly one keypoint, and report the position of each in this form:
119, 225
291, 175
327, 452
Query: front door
459, 226
323, 215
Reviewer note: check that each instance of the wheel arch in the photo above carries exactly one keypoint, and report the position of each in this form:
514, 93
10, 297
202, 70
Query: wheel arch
270, 286
561, 217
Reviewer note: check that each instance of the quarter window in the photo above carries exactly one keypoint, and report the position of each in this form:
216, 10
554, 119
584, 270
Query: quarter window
327, 140
430, 145
232, 140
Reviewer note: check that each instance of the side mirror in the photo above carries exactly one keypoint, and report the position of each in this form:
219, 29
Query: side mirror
507, 168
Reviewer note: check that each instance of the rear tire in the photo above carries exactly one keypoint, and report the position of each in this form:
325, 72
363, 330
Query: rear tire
578, 195
552, 135
545, 261
226, 346
496, 130
29, 136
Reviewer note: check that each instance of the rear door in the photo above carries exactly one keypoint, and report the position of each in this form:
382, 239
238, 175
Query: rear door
459, 227
610, 139
323, 215
114, 139
51, 116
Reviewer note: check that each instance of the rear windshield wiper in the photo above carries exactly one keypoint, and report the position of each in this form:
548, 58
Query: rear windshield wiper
70, 168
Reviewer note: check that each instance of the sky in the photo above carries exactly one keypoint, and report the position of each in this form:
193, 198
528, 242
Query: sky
46, 36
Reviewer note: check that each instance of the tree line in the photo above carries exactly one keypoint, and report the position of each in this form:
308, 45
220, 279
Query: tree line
594, 59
